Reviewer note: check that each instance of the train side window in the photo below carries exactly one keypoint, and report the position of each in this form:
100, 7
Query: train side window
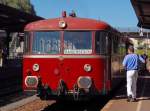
122, 47
100, 42
115, 41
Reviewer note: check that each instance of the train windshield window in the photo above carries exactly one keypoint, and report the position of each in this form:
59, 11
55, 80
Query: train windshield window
77, 42
46, 43
100, 42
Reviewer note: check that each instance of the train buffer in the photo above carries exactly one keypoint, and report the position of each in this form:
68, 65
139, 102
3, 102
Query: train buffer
119, 101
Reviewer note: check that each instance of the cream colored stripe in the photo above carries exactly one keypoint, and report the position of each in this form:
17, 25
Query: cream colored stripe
64, 56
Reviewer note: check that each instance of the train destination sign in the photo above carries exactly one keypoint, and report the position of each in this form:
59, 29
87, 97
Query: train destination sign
77, 51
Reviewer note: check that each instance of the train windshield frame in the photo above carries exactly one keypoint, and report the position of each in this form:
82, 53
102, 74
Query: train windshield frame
58, 42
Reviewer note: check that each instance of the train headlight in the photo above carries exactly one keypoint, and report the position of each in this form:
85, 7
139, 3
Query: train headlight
87, 67
62, 24
36, 67
84, 82
31, 81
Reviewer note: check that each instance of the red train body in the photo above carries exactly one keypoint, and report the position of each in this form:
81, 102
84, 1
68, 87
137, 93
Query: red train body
71, 56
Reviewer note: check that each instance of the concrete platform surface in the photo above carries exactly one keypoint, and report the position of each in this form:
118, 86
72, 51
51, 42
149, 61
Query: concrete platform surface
119, 102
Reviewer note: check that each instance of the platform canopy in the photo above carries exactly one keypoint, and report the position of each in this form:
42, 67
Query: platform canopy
142, 10
14, 20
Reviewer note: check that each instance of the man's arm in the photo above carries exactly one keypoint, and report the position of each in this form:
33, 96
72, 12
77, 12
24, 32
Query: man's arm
124, 61
142, 59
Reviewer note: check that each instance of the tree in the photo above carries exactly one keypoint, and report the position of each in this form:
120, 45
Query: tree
23, 5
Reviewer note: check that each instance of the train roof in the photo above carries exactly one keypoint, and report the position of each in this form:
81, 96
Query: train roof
71, 23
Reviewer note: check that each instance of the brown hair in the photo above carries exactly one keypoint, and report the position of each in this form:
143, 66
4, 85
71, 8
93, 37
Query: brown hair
131, 48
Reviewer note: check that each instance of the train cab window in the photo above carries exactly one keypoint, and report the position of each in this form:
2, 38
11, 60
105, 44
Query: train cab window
46, 43
27, 42
122, 47
100, 42
77, 42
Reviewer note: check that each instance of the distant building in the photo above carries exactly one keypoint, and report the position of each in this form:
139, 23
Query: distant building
141, 43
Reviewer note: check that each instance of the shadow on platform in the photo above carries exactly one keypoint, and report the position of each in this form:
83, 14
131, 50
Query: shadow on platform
143, 89
4, 100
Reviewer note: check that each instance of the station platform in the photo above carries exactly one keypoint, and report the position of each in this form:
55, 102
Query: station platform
13, 101
119, 101
10, 80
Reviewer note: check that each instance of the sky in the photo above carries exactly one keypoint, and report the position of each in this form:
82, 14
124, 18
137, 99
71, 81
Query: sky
117, 13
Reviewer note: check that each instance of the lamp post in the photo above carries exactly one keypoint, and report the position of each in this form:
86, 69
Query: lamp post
141, 32
147, 44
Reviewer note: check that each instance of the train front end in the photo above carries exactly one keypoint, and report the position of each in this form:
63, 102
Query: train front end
63, 63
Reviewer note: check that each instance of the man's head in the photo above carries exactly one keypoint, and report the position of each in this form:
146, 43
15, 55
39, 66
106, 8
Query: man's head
130, 49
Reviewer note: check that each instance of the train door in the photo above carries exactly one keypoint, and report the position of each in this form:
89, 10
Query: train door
116, 61
103, 48
108, 61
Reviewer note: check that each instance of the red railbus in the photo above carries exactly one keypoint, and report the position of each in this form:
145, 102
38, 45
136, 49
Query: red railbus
72, 57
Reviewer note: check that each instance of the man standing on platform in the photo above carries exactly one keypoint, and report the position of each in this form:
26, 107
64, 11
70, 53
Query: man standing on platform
130, 63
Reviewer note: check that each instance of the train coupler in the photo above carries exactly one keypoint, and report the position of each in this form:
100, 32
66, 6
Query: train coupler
44, 92
62, 88
76, 92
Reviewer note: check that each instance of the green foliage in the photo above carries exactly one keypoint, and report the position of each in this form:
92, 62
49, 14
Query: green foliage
23, 5
141, 51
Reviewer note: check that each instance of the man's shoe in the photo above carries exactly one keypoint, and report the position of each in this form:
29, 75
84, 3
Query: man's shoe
133, 100
129, 98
